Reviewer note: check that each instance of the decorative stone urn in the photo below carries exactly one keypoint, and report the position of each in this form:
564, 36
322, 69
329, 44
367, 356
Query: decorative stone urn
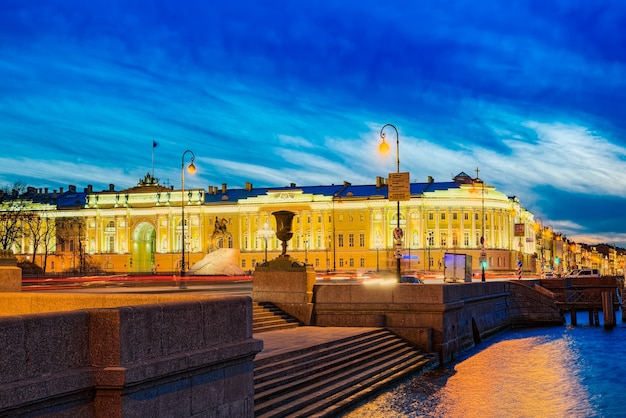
284, 220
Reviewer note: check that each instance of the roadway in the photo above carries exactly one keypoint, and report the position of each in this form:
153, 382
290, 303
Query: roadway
203, 285
208, 285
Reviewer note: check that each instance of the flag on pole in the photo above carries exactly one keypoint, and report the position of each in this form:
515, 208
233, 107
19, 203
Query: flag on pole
154, 145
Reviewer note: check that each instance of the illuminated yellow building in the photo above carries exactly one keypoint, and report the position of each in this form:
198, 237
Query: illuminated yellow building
340, 227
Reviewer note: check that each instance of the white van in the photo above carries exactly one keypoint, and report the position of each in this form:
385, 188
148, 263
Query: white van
591, 273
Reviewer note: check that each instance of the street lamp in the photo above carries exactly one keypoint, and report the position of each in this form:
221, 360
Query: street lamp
383, 148
430, 242
306, 250
328, 242
483, 255
266, 233
192, 169
541, 242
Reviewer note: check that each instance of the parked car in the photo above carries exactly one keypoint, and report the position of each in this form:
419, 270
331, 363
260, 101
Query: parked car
549, 275
411, 279
591, 273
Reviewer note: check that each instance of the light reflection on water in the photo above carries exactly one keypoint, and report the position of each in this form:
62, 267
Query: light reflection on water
548, 372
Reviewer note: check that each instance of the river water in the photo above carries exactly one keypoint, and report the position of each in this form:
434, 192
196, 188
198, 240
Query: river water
546, 372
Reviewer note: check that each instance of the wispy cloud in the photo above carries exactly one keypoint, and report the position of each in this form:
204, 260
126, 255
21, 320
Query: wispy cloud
530, 95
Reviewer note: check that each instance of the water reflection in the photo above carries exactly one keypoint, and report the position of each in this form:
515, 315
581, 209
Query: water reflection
526, 374
527, 377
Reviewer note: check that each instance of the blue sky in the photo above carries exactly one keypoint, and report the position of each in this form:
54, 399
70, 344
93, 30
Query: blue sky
275, 92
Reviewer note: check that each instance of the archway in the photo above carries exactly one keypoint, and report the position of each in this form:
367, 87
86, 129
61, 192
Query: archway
144, 245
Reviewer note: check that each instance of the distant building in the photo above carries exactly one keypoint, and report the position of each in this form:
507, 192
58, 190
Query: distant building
341, 227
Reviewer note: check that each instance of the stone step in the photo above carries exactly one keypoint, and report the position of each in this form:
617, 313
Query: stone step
268, 317
322, 368
330, 377
303, 358
275, 327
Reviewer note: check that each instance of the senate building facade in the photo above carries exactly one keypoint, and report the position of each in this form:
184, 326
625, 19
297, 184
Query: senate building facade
339, 227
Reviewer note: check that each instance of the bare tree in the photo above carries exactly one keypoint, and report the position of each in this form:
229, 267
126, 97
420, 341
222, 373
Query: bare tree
72, 230
42, 232
13, 212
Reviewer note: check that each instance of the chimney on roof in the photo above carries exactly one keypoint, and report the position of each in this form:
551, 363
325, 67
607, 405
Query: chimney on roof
71, 188
45, 190
60, 190
54, 194
248, 186
111, 187
90, 188
39, 192
431, 179
380, 181
223, 187
292, 185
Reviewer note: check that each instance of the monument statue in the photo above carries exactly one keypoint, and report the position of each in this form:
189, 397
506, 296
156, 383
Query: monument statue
220, 231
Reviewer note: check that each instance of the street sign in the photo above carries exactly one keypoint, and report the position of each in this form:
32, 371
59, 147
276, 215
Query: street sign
399, 187
398, 234
519, 230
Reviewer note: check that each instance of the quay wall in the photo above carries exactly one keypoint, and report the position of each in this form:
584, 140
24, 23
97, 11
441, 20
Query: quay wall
442, 318
184, 358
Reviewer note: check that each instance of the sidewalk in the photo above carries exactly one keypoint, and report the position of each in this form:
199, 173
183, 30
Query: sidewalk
294, 339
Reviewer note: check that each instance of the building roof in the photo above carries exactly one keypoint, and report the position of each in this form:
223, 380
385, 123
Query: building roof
346, 190
73, 199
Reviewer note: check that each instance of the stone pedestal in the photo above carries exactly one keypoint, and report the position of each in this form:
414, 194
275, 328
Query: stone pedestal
10, 274
287, 284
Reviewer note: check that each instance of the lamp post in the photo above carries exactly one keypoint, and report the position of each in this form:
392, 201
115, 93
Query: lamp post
430, 241
328, 241
552, 248
482, 238
306, 250
384, 148
377, 249
192, 169
266, 233
483, 255
541, 242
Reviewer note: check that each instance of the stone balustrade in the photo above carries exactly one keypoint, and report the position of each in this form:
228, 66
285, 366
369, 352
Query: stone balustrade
178, 358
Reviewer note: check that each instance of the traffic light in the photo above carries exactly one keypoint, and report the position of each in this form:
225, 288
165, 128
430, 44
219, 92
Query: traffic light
483, 262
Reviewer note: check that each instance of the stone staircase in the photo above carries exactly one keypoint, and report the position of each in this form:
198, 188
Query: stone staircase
268, 317
327, 379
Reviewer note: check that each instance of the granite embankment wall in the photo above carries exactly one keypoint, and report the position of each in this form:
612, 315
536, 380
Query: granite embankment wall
102, 357
442, 318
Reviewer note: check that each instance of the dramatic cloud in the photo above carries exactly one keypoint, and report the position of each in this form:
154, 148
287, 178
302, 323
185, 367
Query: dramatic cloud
274, 92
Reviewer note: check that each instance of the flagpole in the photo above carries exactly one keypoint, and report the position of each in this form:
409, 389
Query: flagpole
153, 147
